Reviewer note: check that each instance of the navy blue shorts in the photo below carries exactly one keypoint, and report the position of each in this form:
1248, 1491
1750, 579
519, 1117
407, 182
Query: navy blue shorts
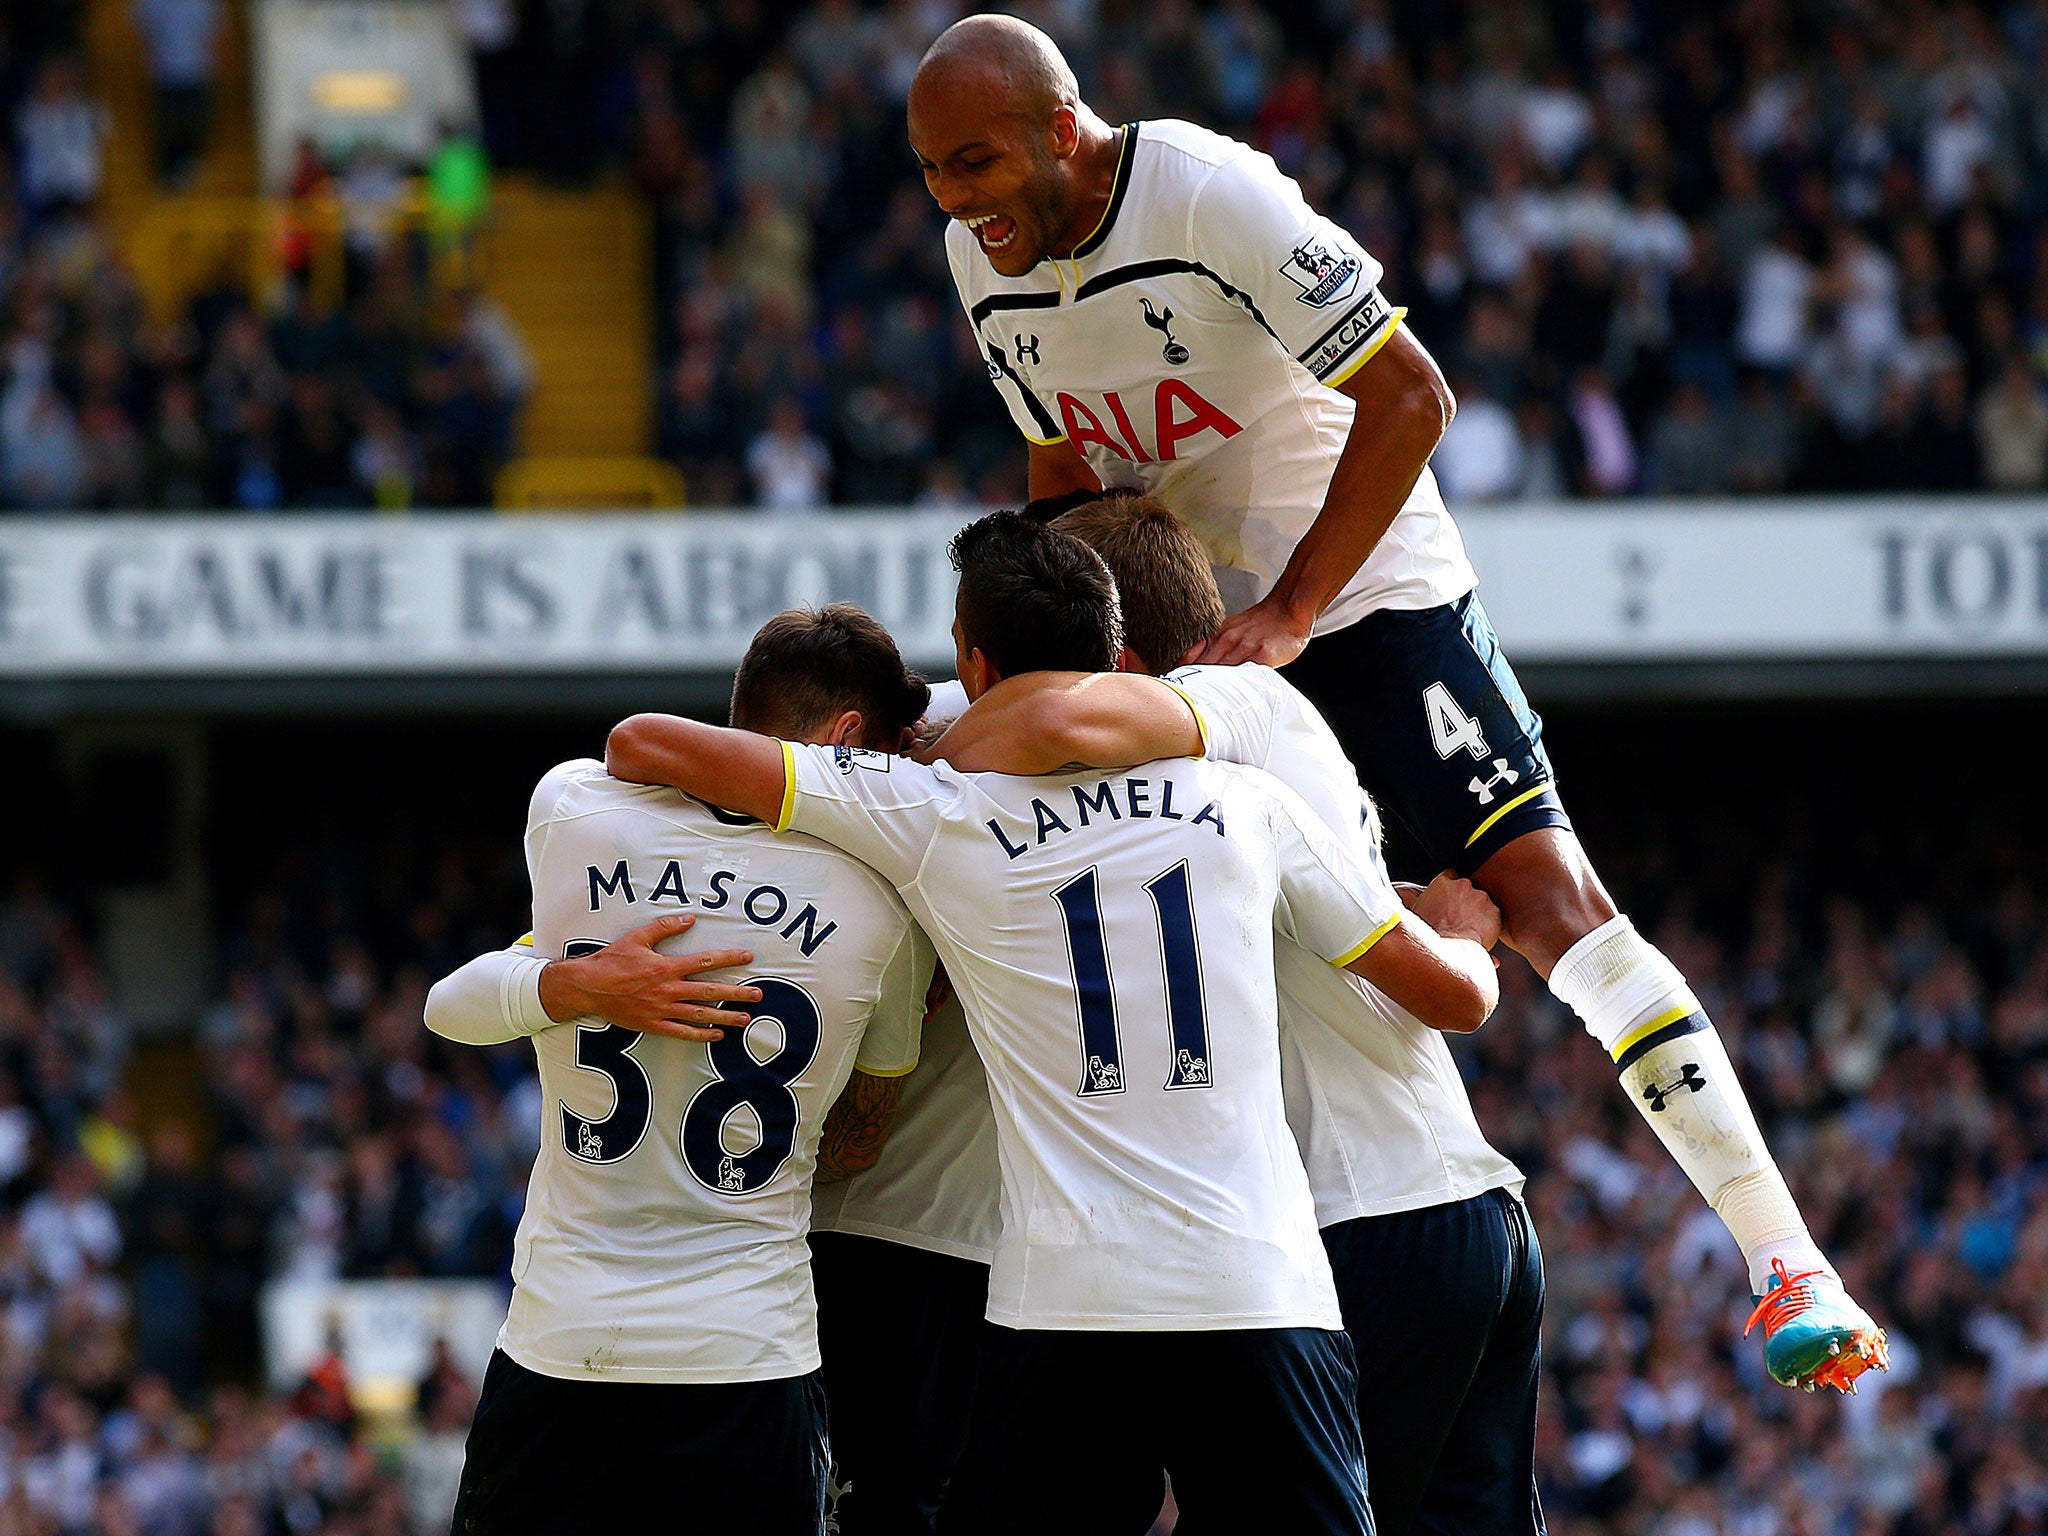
1440, 731
1445, 1308
546, 1455
1071, 1431
900, 1330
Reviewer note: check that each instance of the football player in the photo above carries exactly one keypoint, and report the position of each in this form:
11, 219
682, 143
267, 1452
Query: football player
1160, 308
1405, 1181
661, 1350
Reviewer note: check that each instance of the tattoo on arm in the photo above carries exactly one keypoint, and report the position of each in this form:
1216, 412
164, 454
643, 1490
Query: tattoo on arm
856, 1126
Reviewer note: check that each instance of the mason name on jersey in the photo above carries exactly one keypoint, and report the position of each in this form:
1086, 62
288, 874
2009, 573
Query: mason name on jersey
765, 905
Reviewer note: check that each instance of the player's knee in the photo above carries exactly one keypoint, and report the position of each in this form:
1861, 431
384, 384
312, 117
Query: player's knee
1546, 927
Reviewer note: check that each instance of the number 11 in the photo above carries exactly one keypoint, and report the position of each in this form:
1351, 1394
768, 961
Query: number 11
1102, 1067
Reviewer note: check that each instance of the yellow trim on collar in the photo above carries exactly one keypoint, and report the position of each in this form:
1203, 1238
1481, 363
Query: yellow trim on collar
1367, 942
1129, 134
788, 812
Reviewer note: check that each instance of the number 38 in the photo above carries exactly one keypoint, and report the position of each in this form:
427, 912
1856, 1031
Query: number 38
739, 1080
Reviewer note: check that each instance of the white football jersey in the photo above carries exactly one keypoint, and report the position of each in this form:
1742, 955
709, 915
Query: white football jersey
663, 1238
936, 1185
1373, 1094
1111, 939
1192, 346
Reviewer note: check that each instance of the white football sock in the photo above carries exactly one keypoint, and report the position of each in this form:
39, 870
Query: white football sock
1678, 1075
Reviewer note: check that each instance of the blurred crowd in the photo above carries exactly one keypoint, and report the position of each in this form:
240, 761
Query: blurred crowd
1886, 992
1659, 248
389, 388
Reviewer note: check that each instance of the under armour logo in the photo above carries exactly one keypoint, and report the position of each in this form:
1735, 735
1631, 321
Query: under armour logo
1502, 774
1689, 1077
1103, 1076
1173, 351
1027, 349
730, 1174
588, 1142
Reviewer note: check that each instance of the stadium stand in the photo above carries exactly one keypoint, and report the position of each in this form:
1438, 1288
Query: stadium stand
1660, 249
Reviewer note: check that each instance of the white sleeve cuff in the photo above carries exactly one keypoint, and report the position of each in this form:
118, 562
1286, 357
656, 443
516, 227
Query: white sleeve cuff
519, 996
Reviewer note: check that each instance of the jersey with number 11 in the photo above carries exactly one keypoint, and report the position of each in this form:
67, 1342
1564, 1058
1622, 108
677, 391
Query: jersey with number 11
1110, 937
663, 1239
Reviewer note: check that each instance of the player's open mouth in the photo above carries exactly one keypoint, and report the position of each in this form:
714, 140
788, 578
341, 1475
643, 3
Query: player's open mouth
993, 230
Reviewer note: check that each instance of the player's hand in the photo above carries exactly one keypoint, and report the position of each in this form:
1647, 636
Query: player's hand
1455, 908
1264, 632
631, 984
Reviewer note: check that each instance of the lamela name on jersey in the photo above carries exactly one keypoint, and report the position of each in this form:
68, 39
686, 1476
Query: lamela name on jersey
1108, 799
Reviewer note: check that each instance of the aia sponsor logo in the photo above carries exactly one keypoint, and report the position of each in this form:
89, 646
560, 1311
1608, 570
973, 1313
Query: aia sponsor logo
1179, 413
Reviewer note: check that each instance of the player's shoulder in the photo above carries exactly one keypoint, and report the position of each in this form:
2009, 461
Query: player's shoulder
1256, 788
1224, 776
583, 786
1177, 140
1250, 680
558, 785
812, 861
859, 769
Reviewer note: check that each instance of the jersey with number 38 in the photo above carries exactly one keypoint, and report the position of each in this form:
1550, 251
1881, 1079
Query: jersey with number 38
663, 1239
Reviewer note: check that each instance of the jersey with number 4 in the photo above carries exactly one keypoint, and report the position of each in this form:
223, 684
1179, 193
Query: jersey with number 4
1111, 939
663, 1239
1375, 1099
1193, 346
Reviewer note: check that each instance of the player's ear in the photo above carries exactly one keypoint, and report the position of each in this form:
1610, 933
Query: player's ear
977, 674
845, 731
1065, 131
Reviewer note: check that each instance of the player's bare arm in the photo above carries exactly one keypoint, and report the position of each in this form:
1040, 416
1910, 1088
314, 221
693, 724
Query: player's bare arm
633, 985
1055, 469
1436, 962
512, 994
1404, 406
1452, 904
737, 770
858, 1125
1050, 722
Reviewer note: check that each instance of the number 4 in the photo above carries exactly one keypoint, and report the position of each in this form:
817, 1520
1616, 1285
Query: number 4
1451, 730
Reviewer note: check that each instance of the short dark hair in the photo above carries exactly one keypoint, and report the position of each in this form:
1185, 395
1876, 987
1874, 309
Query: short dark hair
810, 664
1162, 572
1035, 600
